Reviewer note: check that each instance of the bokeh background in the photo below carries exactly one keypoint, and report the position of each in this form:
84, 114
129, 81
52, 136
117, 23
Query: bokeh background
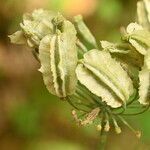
31, 118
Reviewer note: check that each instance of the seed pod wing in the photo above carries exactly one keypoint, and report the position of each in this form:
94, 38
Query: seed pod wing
142, 15
17, 38
68, 57
114, 48
147, 60
44, 56
144, 89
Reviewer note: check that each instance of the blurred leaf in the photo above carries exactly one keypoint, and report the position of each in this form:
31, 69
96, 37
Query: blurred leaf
144, 124
56, 145
2, 75
110, 10
26, 120
57, 4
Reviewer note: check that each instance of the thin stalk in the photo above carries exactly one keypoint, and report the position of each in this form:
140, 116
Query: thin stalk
133, 99
103, 136
121, 112
69, 101
93, 97
81, 46
103, 140
74, 106
137, 113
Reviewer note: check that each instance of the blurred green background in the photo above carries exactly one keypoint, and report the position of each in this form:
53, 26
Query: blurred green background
31, 118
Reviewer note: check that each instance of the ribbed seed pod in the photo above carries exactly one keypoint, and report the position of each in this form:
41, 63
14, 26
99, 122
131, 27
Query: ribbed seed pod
138, 37
105, 77
58, 57
37, 25
129, 58
34, 27
123, 51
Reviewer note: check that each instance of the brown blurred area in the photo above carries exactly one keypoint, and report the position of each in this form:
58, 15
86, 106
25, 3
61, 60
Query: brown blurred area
31, 118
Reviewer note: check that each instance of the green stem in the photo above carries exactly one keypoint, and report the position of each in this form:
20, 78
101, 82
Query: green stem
103, 140
103, 134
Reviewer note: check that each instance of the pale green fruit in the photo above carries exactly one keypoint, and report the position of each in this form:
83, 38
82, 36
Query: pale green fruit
105, 77
58, 57
138, 37
34, 27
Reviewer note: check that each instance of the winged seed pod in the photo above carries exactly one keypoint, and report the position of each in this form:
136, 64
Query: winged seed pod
104, 77
34, 27
58, 57
130, 59
143, 13
138, 37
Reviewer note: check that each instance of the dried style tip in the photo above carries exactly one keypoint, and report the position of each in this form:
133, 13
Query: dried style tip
74, 114
91, 116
